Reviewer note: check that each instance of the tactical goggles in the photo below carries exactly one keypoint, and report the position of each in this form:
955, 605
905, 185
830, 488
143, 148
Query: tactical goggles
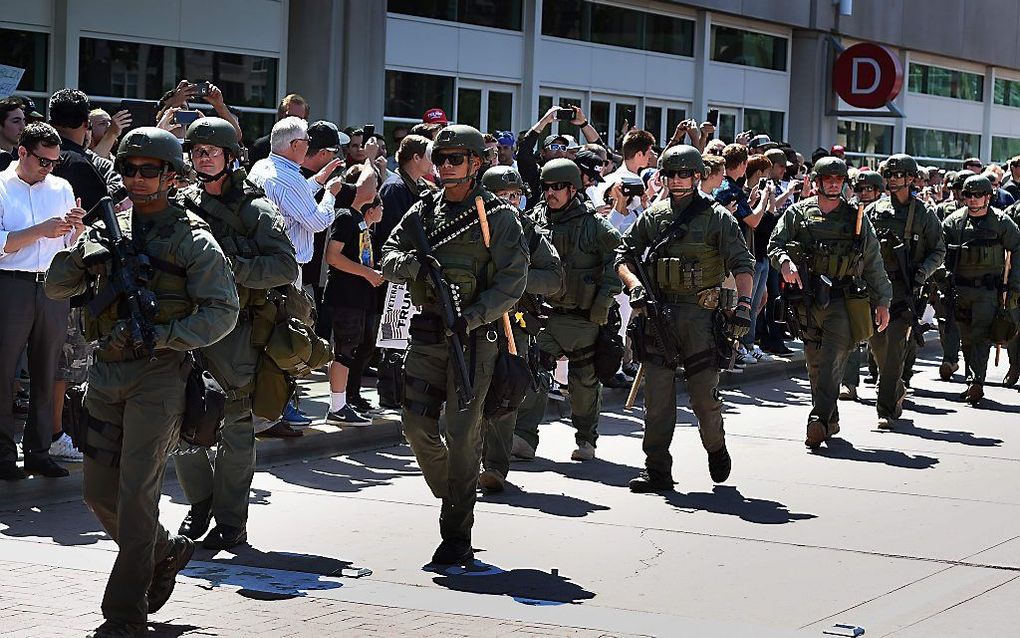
214, 151
557, 186
894, 174
971, 195
148, 171
557, 147
685, 173
455, 159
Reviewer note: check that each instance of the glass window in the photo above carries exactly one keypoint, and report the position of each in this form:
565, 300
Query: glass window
617, 26
935, 80
469, 107
411, 94
501, 14
146, 71
564, 127
598, 115
544, 104
727, 129
624, 113
861, 137
669, 35
1007, 92
922, 142
761, 121
673, 118
501, 110
737, 46
26, 50
1004, 148
653, 122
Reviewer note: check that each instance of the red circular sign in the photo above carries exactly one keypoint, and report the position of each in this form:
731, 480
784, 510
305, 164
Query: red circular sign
867, 75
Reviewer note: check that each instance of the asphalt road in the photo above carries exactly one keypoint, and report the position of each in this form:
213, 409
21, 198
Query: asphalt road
914, 532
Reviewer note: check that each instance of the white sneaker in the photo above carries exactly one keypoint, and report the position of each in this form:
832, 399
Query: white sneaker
761, 355
64, 450
745, 357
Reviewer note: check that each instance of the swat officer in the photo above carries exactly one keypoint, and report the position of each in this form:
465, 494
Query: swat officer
692, 244
949, 331
1013, 346
907, 226
586, 243
135, 398
251, 232
490, 280
823, 247
979, 238
545, 277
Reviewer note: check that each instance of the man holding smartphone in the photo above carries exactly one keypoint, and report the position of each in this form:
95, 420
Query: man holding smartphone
553, 146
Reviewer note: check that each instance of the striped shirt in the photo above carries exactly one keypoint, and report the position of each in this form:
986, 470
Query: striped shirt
294, 195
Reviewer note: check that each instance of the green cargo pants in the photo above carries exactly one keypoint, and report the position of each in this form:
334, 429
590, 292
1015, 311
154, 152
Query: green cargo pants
975, 311
448, 456
692, 333
949, 337
499, 433
224, 474
573, 336
140, 404
827, 347
852, 372
890, 347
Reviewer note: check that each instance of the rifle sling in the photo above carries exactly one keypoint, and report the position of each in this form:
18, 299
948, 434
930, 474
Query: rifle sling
679, 226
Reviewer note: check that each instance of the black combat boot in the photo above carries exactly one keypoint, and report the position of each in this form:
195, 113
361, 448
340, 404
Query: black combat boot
454, 552
651, 482
225, 537
164, 577
196, 523
719, 464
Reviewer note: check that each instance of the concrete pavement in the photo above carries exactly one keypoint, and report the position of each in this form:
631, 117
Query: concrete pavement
908, 533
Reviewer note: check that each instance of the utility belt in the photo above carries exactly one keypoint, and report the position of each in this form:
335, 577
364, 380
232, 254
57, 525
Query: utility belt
987, 281
710, 298
577, 312
427, 328
133, 354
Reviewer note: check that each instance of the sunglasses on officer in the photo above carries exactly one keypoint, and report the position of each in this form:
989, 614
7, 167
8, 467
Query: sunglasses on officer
894, 174
682, 174
556, 186
455, 159
148, 171
971, 195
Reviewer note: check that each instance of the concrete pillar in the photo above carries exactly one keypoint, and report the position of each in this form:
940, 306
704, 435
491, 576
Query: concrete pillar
810, 92
702, 54
900, 123
363, 76
986, 120
531, 27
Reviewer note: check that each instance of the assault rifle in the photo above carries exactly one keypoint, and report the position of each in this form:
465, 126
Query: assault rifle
129, 280
914, 303
653, 310
449, 305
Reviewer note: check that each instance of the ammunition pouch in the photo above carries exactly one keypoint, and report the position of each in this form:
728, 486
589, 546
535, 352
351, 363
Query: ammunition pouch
391, 377
427, 329
283, 328
862, 326
75, 417
204, 406
712, 298
581, 286
272, 389
609, 347
511, 380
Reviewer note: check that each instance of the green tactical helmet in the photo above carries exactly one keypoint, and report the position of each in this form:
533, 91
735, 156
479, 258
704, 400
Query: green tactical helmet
869, 178
901, 162
977, 184
460, 136
959, 179
829, 167
681, 157
562, 170
214, 131
149, 141
500, 178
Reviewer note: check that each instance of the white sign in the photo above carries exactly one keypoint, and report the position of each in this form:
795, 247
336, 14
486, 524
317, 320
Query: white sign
10, 77
394, 328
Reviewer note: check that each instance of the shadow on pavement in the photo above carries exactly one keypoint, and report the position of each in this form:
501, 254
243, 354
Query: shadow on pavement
989, 404
838, 448
265, 575
351, 473
526, 586
66, 523
554, 504
726, 499
907, 427
170, 630
596, 470
921, 408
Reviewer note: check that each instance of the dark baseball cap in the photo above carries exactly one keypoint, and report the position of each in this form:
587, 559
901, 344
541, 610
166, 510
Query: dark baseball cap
763, 142
31, 112
323, 134
590, 164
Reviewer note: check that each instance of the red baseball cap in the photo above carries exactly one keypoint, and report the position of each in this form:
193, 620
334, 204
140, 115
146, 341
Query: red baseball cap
435, 116
836, 148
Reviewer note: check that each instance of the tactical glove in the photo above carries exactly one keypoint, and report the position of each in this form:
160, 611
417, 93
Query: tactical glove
422, 272
740, 322
638, 296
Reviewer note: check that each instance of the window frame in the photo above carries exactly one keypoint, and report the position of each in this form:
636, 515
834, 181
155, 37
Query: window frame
586, 27
787, 37
48, 67
455, 20
929, 65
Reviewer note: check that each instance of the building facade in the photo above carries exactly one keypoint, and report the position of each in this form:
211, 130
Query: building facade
498, 64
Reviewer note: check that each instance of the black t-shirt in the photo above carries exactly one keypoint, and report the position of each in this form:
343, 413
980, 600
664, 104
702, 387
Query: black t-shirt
344, 289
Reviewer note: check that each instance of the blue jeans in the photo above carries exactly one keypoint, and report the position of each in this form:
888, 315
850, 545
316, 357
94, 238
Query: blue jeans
761, 275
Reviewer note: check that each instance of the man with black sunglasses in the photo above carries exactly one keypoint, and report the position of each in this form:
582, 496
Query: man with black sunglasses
979, 238
489, 280
903, 223
692, 243
136, 390
586, 243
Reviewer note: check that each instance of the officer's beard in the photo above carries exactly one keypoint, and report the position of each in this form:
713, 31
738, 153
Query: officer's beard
162, 193
977, 209
823, 195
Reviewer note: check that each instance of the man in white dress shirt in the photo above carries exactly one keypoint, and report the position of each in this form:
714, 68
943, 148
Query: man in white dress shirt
38, 217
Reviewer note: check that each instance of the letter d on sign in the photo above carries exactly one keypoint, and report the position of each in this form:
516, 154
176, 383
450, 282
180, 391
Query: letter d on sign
855, 81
